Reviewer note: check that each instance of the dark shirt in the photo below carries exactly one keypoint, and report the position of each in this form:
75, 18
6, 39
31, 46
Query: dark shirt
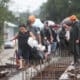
22, 39
54, 34
62, 34
35, 31
74, 35
75, 32
46, 33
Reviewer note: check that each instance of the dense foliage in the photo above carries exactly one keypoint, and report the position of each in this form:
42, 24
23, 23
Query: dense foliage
58, 9
5, 15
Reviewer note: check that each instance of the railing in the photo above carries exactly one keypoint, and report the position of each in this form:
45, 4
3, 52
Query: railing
52, 69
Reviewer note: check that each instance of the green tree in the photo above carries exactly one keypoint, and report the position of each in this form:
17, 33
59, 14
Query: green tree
22, 19
5, 15
59, 9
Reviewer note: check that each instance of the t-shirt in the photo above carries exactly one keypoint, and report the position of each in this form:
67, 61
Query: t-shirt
46, 33
38, 24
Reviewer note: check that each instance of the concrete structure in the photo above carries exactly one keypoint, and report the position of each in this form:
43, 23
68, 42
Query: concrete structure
32, 72
65, 75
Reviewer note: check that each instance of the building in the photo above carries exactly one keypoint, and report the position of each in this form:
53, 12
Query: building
9, 30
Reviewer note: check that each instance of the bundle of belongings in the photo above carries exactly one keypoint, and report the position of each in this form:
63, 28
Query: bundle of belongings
37, 49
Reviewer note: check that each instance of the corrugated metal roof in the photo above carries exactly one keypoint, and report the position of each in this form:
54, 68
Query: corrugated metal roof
10, 24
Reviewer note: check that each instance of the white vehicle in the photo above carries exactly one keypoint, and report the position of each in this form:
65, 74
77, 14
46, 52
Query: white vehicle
10, 30
9, 44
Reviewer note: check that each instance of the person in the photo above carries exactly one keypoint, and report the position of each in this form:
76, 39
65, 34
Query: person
75, 41
23, 47
36, 22
47, 39
35, 31
69, 20
35, 28
66, 24
54, 34
62, 38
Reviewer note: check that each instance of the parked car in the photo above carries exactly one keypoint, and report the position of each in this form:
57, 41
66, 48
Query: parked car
9, 44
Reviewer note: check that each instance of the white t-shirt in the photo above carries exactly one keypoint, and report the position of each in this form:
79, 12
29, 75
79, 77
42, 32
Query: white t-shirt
38, 23
67, 35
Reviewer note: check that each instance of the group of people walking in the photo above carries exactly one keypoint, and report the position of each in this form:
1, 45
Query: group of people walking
38, 40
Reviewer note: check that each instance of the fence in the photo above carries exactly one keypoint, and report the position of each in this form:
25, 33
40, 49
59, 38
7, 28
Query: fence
53, 69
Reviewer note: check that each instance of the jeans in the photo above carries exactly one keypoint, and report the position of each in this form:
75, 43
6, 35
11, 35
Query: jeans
54, 45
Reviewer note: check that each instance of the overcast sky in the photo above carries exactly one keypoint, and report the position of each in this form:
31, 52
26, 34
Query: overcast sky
24, 5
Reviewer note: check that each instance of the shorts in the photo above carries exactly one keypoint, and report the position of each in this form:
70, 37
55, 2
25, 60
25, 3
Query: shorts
23, 54
19, 54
